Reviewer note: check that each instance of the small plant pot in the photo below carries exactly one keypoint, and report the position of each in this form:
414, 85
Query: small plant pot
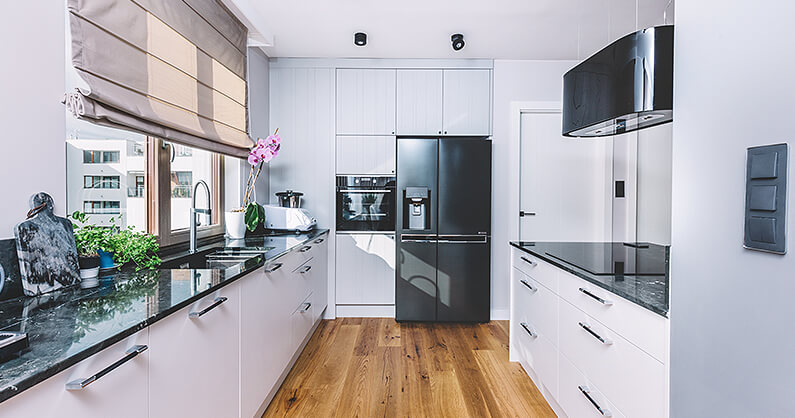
235, 223
89, 267
105, 260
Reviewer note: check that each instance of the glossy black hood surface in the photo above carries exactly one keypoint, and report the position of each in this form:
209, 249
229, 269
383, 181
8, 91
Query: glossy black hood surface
624, 87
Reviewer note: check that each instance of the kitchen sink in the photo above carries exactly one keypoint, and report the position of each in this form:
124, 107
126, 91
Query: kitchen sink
215, 258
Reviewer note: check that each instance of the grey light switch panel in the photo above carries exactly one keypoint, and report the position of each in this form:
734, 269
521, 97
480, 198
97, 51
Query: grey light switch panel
766, 198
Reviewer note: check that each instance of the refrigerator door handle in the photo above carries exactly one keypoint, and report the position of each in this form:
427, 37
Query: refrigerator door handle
463, 239
418, 240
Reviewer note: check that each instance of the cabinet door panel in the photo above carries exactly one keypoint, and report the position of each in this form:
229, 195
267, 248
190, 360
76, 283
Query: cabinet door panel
419, 102
467, 102
365, 269
194, 362
366, 102
358, 155
120, 393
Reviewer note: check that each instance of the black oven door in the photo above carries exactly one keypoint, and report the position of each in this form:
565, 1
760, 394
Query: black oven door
366, 209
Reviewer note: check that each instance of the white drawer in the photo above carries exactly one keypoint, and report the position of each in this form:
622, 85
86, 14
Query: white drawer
642, 327
578, 397
538, 353
633, 380
536, 304
540, 270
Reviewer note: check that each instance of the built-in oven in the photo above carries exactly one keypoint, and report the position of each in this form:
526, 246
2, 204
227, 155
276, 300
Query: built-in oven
365, 203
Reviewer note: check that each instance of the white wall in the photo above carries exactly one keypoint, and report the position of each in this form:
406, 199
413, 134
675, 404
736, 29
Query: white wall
33, 151
732, 346
654, 184
514, 81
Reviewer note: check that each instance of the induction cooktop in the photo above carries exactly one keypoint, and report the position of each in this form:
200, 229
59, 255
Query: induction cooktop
612, 258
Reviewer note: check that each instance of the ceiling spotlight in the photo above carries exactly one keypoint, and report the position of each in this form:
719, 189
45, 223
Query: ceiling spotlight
458, 41
360, 39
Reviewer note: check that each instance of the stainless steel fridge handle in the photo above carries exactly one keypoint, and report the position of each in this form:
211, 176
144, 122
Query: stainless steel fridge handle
444, 241
417, 240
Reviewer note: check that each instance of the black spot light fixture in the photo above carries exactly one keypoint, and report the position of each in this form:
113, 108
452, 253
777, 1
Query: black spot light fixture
458, 41
360, 39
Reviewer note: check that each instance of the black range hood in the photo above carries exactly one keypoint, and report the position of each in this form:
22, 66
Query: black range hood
624, 87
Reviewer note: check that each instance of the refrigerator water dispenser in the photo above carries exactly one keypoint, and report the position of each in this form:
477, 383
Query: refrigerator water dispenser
416, 200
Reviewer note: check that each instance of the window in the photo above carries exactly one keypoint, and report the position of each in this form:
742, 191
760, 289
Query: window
103, 207
181, 184
135, 150
97, 157
101, 182
137, 184
183, 151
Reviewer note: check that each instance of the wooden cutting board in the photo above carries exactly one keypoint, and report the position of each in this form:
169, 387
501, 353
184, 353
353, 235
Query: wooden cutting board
46, 249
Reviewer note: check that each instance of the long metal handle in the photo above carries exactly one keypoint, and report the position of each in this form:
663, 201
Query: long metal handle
446, 241
587, 392
319, 240
527, 328
305, 269
522, 214
79, 384
274, 267
528, 285
602, 301
217, 301
306, 307
305, 249
529, 261
364, 191
605, 341
417, 240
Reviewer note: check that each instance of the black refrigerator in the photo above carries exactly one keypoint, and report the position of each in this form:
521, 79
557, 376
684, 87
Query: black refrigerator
443, 269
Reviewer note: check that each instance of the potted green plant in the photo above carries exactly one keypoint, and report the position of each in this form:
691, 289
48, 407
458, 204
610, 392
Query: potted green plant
89, 240
251, 214
139, 248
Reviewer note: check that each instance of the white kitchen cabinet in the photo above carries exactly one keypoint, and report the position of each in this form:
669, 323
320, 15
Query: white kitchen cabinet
419, 102
315, 273
120, 393
366, 155
194, 361
467, 102
264, 322
365, 269
366, 101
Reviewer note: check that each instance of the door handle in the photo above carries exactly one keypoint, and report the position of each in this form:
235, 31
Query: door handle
319, 240
522, 214
131, 353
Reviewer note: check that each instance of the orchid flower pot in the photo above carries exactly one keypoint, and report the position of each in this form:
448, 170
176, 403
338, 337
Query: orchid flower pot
235, 223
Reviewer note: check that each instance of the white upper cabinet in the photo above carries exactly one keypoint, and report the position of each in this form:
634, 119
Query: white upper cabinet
467, 102
419, 102
365, 155
366, 101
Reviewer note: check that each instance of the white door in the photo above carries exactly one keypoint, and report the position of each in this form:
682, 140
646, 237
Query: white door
122, 392
365, 269
363, 155
564, 183
366, 101
419, 102
467, 102
194, 361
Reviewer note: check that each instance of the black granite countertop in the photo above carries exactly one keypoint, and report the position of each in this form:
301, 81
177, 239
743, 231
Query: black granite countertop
67, 326
636, 272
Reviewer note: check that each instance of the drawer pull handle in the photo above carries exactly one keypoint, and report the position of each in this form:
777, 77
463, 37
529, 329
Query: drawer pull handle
587, 392
602, 301
305, 249
274, 268
80, 384
529, 261
306, 307
305, 269
216, 302
605, 341
528, 285
527, 328
319, 240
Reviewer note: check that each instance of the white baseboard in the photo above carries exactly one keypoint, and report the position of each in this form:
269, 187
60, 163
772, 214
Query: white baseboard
365, 311
500, 314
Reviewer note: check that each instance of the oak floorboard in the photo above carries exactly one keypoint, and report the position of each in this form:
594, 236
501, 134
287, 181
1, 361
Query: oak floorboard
376, 367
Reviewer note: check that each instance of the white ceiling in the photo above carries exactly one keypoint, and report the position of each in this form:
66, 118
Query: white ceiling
498, 29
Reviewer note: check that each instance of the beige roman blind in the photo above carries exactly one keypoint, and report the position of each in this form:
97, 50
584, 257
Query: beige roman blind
174, 69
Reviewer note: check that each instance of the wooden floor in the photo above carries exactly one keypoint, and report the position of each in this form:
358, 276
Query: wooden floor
374, 367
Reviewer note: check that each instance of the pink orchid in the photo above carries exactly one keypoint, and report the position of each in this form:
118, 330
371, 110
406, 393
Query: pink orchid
253, 158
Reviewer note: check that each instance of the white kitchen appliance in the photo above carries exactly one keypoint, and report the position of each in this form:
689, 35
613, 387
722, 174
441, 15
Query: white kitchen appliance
288, 219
